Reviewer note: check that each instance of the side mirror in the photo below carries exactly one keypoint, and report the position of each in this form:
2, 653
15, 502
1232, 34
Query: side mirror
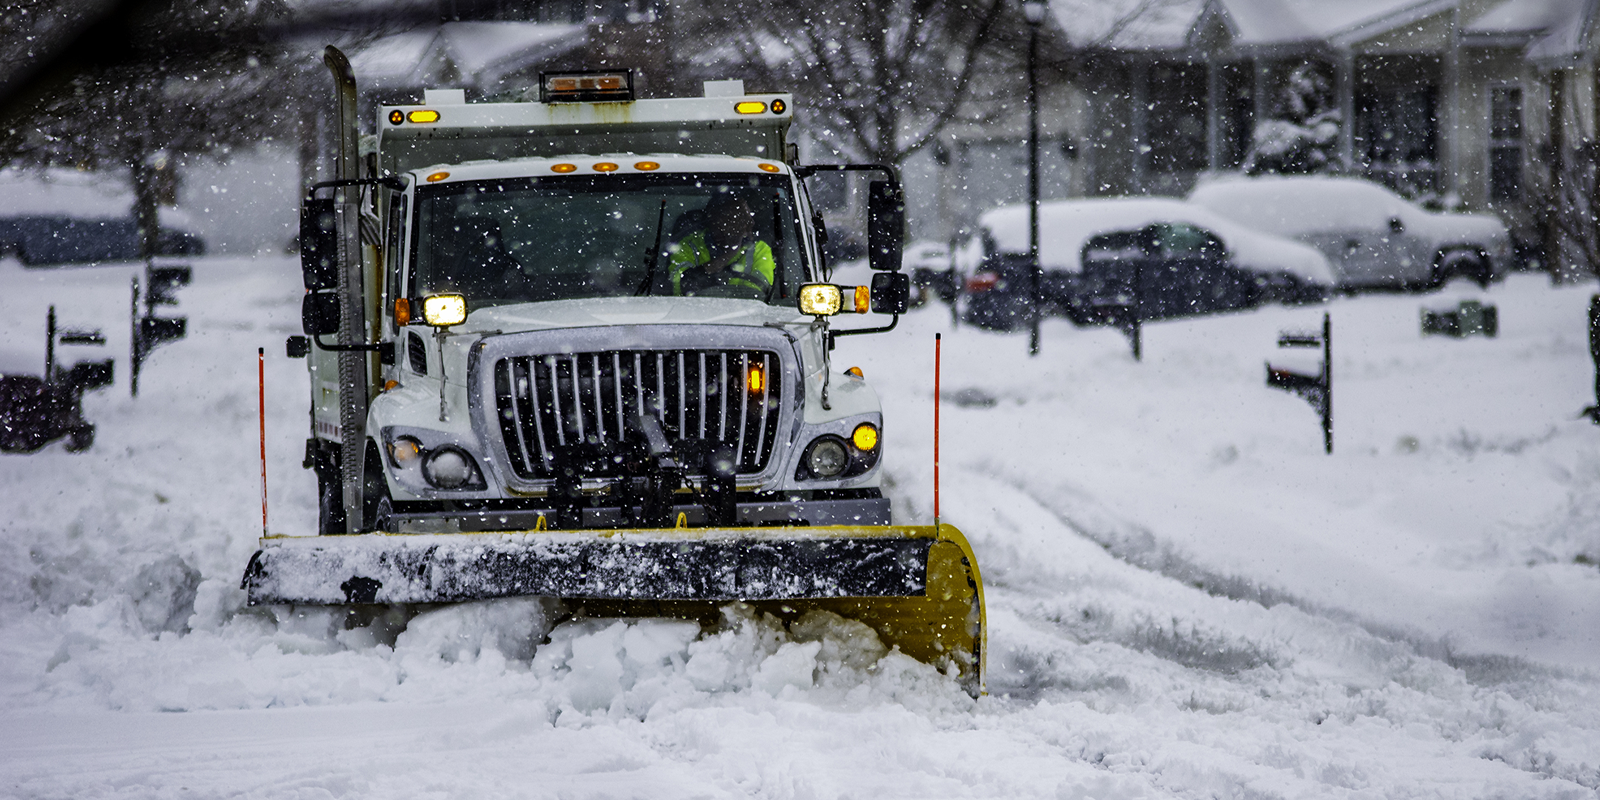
891, 292
319, 244
886, 224
319, 313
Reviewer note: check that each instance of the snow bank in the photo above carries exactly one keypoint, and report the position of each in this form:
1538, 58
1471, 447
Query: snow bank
1186, 597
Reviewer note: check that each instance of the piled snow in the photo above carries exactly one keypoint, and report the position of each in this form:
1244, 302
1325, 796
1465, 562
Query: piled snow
1186, 597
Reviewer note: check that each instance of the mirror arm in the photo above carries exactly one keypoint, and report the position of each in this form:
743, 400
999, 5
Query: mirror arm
394, 182
382, 348
834, 334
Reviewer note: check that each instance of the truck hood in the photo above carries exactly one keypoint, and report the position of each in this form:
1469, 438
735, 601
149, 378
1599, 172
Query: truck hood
600, 311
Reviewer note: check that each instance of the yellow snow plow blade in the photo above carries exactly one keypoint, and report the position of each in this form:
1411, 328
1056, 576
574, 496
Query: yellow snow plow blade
917, 586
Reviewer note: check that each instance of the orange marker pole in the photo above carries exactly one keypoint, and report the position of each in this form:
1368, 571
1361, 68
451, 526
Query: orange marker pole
938, 345
261, 406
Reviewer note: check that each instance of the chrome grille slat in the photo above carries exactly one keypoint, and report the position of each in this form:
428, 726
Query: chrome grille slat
744, 402
766, 387
616, 381
722, 429
548, 401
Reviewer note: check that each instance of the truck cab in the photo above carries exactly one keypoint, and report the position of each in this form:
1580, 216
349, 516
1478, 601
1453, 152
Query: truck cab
589, 311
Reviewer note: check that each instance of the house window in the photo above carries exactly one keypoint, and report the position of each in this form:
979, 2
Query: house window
1176, 121
1505, 143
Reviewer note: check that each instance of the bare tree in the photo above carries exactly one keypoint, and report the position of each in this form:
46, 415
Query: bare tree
882, 79
137, 85
878, 80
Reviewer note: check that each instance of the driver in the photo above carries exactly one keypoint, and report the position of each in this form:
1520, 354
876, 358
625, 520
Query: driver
726, 259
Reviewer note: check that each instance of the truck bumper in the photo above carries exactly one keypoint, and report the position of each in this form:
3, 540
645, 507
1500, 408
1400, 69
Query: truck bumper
427, 518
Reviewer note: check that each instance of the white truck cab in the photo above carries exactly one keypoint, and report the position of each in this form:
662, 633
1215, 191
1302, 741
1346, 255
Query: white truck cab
588, 312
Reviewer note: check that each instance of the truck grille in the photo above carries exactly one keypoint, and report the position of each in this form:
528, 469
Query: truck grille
544, 402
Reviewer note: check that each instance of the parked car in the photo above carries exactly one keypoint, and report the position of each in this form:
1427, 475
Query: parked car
67, 217
932, 272
1372, 236
1170, 257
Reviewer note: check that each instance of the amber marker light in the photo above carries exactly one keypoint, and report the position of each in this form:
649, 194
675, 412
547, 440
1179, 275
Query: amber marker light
863, 299
757, 380
396, 117
646, 166
402, 311
563, 168
405, 450
750, 107
424, 116
605, 166
765, 167
865, 437
778, 106
855, 372
438, 176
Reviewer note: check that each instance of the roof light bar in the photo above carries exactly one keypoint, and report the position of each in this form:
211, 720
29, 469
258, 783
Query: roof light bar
586, 87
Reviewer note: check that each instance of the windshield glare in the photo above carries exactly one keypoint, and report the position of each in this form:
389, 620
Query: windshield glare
567, 237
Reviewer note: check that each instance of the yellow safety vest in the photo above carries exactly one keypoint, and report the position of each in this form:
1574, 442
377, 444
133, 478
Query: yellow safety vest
753, 268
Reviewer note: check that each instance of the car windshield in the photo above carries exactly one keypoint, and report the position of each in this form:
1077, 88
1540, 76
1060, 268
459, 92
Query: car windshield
567, 237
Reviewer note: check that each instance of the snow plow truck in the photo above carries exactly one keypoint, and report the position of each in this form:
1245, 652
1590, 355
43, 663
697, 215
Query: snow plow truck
577, 346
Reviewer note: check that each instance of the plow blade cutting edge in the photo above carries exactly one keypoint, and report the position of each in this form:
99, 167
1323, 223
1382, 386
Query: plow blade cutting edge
917, 586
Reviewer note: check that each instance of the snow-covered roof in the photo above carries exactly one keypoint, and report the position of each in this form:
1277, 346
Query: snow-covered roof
1566, 37
1065, 226
481, 52
1257, 23
64, 192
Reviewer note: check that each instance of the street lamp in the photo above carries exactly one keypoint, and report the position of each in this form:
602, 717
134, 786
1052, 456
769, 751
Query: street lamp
1033, 12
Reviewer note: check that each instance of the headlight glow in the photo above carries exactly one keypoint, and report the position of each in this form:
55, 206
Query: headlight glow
444, 310
820, 299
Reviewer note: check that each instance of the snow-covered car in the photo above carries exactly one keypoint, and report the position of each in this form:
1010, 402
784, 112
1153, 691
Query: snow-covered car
1211, 263
1372, 236
68, 217
932, 273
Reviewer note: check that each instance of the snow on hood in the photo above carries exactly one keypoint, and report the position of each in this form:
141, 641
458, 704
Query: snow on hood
597, 311
1065, 226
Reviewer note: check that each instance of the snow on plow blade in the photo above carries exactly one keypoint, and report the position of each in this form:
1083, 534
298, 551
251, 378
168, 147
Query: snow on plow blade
918, 586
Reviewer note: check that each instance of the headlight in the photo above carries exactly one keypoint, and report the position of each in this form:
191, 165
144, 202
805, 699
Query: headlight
444, 310
820, 299
449, 468
827, 457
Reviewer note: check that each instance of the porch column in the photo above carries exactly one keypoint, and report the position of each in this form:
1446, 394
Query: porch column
1451, 182
1213, 114
1555, 159
1347, 110
1140, 74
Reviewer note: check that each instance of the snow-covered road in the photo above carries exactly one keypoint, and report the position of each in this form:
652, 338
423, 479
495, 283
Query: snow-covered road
1186, 597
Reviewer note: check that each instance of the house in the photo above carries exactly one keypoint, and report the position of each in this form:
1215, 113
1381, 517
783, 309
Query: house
1476, 104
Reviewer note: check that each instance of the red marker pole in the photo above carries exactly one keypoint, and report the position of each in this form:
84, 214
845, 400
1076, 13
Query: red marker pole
261, 406
938, 345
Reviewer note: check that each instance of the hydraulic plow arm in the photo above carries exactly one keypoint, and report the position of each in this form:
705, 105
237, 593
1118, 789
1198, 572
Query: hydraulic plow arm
919, 586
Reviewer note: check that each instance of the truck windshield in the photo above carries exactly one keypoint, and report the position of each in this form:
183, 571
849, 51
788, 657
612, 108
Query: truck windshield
565, 237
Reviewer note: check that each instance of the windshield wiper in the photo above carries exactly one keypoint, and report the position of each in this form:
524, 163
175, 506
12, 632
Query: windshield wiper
652, 256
